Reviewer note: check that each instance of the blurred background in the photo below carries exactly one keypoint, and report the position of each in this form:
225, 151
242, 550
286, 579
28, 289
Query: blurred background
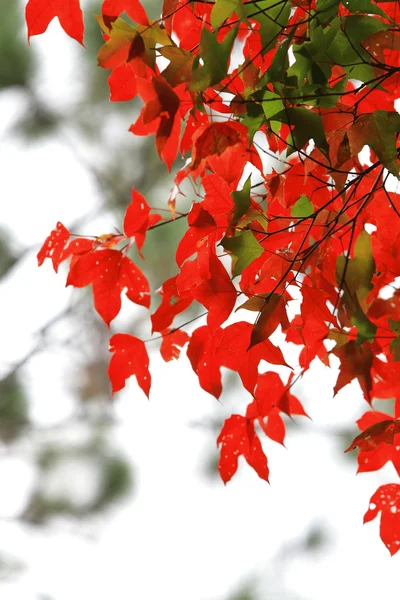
121, 498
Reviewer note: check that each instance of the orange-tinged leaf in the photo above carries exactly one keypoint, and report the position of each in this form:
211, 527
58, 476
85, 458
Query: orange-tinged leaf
39, 13
130, 358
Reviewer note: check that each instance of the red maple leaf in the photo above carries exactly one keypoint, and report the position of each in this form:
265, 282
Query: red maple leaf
217, 293
272, 314
113, 8
387, 501
272, 396
122, 83
161, 115
130, 358
172, 342
234, 353
110, 273
138, 219
382, 432
356, 362
201, 237
53, 246
238, 438
374, 459
39, 13
172, 303
202, 355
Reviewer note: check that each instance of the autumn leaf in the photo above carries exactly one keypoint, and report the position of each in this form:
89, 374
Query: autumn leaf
234, 353
138, 220
245, 248
395, 343
238, 438
272, 314
317, 96
223, 9
54, 245
39, 13
110, 273
122, 83
201, 225
386, 500
172, 304
113, 8
379, 433
161, 112
377, 130
217, 294
129, 358
172, 342
215, 138
271, 398
356, 363
202, 355
374, 459
215, 56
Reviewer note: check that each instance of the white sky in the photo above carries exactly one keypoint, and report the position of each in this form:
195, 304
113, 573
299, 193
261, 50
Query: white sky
181, 537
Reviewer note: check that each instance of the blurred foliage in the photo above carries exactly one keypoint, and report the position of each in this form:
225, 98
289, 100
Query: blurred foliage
64, 488
16, 64
10, 566
245, 592
8, 257
37, 122
14, 409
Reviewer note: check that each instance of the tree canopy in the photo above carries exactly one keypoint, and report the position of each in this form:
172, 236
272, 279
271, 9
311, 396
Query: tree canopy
284, 111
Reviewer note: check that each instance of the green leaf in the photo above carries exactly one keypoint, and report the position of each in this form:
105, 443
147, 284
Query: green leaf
312, 61
180, 65
242, 200
377, 130
280, 63
366, 329
273, 17
215, 56
121, 36
223, 9
363, 6
303, 207
253, 121
271, 103
359, 272
347, 48
245, 248
306, 125
327, 10
395, 344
